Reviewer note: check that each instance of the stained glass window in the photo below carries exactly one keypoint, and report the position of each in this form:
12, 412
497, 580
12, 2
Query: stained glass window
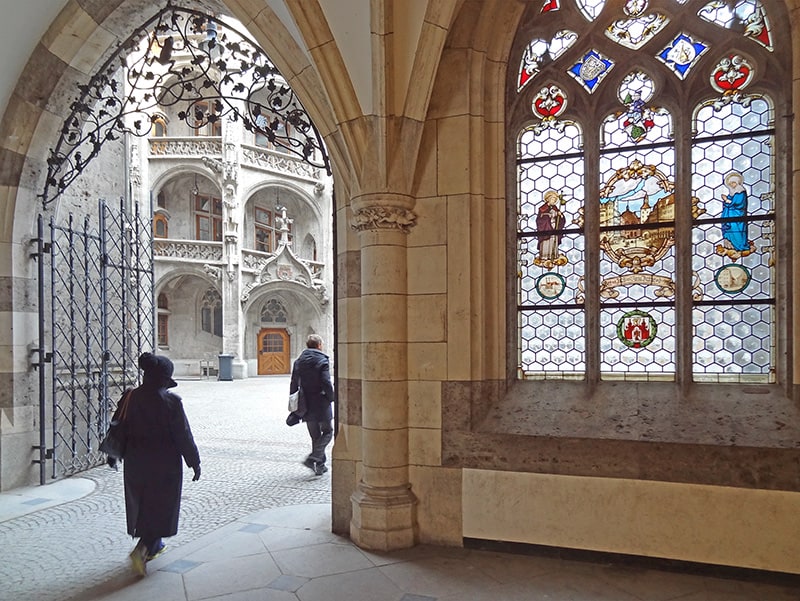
540, 51
747, 15
638, 27
647, 234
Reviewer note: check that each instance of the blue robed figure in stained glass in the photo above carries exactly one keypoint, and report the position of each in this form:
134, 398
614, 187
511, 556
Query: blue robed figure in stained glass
734, 205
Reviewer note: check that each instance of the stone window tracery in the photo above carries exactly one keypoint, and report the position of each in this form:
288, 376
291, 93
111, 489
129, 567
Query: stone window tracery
274, 312
211, 312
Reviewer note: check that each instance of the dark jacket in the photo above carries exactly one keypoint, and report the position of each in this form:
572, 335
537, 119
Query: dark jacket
311, 372
158, 437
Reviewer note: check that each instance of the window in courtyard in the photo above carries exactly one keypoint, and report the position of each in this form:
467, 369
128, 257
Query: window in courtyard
267, 230
641, 258
208, 217
279, 126
160, 226
159, 129
204, 120
163, 321
274, 312
211, 312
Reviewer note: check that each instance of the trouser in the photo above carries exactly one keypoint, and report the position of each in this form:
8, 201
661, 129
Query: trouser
151, 544
321, 434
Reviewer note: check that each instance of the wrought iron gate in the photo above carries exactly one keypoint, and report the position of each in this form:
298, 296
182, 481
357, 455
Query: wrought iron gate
96, 315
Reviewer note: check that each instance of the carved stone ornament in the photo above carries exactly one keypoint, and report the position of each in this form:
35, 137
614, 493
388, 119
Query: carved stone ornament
383, 218
285, 267
213, 271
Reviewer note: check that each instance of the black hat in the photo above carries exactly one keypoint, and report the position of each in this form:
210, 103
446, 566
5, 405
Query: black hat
157, 370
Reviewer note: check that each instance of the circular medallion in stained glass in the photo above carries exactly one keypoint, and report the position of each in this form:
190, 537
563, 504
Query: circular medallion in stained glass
636, 329
732, 278
550, 285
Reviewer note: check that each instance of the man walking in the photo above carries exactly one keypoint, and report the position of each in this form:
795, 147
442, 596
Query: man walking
311, 373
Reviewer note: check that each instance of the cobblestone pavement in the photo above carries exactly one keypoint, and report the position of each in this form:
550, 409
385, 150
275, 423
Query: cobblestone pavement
250, 461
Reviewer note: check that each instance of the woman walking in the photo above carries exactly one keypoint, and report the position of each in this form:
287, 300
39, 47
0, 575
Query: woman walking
158, 437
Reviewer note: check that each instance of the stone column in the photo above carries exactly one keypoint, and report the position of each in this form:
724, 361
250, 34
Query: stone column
227, 171
384, 516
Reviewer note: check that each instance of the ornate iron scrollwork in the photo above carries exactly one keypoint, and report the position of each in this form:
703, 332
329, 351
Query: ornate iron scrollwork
188, 58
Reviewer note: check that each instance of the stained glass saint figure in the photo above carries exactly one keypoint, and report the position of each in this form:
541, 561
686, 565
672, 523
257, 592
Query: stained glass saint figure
734, 206
550, 218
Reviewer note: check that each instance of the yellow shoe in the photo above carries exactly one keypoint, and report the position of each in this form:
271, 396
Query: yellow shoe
139, 558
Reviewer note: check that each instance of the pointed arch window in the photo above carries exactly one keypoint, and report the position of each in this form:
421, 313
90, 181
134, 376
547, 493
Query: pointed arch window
211, 312
159, 129
649, 194
160, 225
163, 321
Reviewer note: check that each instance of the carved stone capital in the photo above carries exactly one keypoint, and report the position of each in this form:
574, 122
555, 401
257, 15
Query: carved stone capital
383, 218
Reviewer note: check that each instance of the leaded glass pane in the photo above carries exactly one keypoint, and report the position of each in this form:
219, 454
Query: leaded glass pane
747, 15
591, 8
637, 344
637, 121
551, 250
682, 53
638, 28
591, 70
539, 51
733, 241
552, 343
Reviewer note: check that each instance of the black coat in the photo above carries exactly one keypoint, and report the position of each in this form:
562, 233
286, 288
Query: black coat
311, 372
158, 436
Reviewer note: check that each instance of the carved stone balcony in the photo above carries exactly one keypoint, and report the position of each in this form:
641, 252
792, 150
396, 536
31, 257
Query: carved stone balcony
185, 147
195, 251
265, 159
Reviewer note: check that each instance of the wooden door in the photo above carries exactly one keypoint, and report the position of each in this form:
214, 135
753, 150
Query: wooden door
273, 352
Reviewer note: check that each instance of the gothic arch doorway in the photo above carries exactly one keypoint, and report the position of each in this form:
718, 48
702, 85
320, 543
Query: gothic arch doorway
273, 352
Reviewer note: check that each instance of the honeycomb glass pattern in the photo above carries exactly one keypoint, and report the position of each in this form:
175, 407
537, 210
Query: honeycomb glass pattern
647, 233
733, 242
637, 262
656, 361
552, 344
551, 250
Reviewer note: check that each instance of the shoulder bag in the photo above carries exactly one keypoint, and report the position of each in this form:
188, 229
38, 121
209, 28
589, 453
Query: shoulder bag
113, 444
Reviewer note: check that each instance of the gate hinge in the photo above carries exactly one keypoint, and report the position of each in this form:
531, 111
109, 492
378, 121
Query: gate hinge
46, 248
48, 453
48, 358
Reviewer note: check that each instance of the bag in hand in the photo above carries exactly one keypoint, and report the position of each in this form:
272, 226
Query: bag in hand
294, 400
114, 442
